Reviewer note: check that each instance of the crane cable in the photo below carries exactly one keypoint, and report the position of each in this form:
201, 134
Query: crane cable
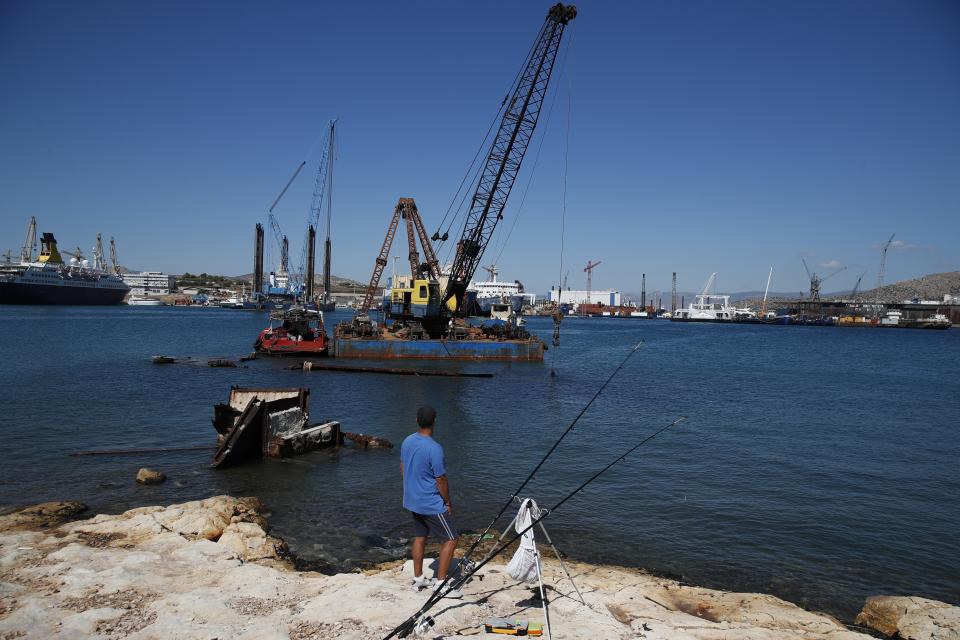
557, 313
483, 144
536, 158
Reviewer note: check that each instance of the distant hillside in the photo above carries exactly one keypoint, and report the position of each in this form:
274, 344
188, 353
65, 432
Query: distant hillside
929, 287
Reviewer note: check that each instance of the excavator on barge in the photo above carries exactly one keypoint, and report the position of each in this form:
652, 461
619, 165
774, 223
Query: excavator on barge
425, 316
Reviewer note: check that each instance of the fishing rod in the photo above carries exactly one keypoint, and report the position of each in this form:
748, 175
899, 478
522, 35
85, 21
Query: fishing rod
416, 620
506, 505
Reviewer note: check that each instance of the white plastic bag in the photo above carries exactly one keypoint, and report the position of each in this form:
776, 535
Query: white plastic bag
523, 564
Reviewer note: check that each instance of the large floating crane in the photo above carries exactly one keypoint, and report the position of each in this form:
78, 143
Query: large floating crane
505, 155
521, 111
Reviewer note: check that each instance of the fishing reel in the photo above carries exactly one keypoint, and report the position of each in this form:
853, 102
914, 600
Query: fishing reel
423, 625
467, 567
415, 626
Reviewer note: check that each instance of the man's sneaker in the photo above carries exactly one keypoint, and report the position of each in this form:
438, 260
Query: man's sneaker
423, 582
448, 591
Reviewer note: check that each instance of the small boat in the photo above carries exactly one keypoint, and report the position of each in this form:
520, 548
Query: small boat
936, 321
233, 302
164, 360
294, 331
137, 301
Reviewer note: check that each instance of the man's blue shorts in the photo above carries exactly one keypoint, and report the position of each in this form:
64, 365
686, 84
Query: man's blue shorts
437, 526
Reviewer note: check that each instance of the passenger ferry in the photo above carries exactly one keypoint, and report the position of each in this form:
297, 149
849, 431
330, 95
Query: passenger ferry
50, 280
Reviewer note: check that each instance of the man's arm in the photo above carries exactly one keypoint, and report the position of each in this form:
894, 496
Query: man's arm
443, 486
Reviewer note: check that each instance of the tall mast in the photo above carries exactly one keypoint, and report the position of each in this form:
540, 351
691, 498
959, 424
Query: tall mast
763, 306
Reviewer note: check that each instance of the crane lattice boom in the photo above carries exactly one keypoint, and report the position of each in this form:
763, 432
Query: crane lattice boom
321, 188
883, 261
506, 154
30, 244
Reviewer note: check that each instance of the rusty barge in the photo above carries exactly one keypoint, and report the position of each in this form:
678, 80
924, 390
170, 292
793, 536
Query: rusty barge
384, 347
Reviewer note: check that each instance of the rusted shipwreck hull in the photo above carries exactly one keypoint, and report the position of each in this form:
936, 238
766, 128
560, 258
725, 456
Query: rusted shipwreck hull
271, 423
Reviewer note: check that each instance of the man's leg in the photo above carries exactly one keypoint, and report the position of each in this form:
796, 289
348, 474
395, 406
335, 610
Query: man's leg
419, 544
443, 527
420, 532
446, 554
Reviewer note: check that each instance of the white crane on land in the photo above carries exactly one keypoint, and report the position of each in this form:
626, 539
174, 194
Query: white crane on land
30, 244
709, 284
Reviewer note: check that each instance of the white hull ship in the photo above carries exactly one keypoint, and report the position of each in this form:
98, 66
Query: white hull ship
49, 280
494, 292
136, 301
709, 307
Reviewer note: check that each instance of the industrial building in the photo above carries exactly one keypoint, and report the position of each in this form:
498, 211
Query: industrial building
607, 297
149, 283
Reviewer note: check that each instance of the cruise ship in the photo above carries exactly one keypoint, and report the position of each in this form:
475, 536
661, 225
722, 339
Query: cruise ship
493, 291
50, 280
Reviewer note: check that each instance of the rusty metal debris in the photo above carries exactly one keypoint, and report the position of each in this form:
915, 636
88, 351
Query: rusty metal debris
367, 441
221, 362
271, 423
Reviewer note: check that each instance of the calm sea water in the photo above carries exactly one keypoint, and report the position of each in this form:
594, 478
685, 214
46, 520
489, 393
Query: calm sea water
818, 464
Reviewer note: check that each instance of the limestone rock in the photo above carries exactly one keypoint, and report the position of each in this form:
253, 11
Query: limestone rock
209, 569
198, 519
911, 618
41, 516
150, 476
251, 543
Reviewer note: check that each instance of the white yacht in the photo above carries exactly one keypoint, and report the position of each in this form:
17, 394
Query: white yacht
709, 307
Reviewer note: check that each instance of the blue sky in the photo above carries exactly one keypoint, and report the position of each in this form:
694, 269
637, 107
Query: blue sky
704, 136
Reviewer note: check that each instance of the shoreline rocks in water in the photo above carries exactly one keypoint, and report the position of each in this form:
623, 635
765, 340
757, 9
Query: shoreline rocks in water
911, 618
150, 476
209, 568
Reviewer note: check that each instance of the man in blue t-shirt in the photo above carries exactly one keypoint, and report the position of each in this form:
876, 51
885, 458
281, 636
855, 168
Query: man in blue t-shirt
426, 494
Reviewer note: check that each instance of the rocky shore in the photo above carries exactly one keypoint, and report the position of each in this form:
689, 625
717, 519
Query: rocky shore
210, 569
